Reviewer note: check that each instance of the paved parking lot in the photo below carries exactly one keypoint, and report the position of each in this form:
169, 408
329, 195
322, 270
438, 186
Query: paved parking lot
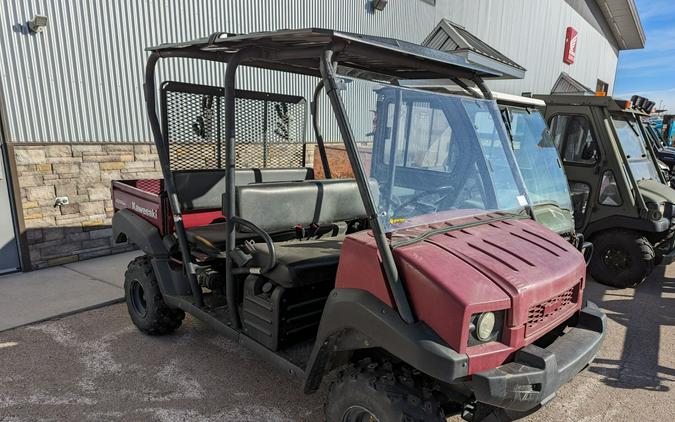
96, 366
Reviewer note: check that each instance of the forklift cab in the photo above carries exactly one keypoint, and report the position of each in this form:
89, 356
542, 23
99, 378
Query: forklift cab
621, 202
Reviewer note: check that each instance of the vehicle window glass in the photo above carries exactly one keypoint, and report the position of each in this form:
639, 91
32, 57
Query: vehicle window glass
574, 139
641, 164
538, 159
430, 137
452, 155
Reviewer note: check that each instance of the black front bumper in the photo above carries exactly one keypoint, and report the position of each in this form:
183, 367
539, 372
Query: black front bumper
536, 373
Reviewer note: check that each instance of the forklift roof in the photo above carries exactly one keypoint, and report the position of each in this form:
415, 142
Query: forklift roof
299, 50
613, 104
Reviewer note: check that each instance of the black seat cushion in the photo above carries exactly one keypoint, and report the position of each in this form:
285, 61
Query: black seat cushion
303, 262
281, 206
202, 189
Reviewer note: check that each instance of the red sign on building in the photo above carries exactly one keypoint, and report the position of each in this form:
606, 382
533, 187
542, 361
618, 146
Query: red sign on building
570, 45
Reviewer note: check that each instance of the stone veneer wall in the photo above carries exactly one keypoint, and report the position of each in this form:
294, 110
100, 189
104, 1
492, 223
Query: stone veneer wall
83, 173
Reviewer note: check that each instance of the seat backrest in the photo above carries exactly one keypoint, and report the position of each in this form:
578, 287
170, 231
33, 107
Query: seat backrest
203, 189
281, 206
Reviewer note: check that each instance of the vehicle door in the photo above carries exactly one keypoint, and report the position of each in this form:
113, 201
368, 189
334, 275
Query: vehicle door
575, 137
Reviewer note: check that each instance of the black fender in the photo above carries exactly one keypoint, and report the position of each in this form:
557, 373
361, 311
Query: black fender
128, 226
354, 319
637, 224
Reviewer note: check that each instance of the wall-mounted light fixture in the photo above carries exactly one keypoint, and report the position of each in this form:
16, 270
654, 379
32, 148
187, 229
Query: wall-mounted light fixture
379, 4
37, 24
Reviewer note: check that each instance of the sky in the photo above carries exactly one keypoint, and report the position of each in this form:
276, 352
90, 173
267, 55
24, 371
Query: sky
650, 72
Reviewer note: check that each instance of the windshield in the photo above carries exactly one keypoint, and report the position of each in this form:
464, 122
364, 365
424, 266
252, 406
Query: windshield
641, 164
450, 155
654, 136
538, 159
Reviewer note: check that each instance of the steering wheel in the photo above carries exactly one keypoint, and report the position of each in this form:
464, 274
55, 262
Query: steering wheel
272, 257
420, 195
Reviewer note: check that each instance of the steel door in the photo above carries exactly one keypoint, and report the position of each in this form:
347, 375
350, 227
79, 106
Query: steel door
9, 255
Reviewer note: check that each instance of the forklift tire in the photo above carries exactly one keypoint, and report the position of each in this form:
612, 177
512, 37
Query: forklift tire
380, 391
146, 307
621, 258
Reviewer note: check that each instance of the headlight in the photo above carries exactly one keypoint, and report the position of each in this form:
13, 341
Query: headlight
485, 327
655, 212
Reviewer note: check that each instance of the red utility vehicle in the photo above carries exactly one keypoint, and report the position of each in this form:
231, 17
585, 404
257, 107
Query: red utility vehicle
424, 282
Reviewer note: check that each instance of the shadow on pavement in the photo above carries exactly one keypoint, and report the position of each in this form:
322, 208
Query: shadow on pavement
643, 313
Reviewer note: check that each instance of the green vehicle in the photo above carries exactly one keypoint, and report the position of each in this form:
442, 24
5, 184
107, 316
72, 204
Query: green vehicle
622, 202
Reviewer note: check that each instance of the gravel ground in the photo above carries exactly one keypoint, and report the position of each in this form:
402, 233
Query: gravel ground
95, 366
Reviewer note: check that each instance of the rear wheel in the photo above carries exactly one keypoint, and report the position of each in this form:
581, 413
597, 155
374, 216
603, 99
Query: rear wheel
374, 391
621, 258
144, 300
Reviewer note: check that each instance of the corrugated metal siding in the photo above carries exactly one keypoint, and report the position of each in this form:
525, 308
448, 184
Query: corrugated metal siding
81, 80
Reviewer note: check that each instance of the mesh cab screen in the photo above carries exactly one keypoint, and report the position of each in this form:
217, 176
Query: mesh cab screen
269, 128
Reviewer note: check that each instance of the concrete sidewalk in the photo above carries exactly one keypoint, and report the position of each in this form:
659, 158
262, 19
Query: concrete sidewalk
53, 292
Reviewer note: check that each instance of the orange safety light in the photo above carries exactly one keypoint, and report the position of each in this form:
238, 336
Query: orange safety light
600, 94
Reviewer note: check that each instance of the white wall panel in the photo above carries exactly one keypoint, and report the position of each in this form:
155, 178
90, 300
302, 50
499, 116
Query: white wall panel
81, 80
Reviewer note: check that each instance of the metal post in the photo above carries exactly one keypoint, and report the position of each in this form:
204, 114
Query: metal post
229, 205
169, 184
487, 94
314, 109
266, 136
391, 272
394, 147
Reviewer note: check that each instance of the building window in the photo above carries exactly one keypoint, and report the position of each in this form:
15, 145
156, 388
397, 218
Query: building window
601, 86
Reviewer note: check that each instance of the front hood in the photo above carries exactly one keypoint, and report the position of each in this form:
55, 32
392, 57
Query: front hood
554, 218
513, 263
656, 192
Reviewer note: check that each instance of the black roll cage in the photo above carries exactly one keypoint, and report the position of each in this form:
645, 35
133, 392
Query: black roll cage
374, 57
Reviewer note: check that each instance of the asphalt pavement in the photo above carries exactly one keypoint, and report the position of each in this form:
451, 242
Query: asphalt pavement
95, 366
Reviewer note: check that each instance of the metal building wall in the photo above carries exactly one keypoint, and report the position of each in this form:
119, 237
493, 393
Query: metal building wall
532, 33
81, 80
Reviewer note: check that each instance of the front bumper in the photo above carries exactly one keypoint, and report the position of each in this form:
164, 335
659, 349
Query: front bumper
536, 373
668, 258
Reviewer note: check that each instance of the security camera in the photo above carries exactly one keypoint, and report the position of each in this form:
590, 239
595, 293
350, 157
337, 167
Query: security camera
379, 4
37, 24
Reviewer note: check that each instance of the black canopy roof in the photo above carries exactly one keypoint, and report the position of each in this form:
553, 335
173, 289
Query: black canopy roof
299, 50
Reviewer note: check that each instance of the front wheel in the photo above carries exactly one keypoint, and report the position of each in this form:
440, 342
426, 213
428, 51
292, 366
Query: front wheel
373, 391
621, 258
144, 300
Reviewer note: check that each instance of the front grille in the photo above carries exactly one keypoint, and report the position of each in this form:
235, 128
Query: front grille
542, 314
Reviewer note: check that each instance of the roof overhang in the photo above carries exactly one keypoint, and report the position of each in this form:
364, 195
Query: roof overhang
623, 19
453, 38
